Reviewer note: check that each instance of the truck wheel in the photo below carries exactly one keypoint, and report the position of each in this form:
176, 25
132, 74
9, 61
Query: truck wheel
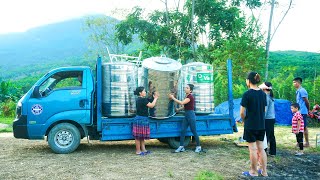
174, 142
163, 140
64, 138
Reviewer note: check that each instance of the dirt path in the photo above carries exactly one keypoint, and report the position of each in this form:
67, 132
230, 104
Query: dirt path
33, 159
2, 135
3, 126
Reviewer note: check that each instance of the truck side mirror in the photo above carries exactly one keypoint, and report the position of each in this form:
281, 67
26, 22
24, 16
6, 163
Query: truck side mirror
36, 92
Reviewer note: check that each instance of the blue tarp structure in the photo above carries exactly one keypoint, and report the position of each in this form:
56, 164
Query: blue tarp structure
223, 108
282, 109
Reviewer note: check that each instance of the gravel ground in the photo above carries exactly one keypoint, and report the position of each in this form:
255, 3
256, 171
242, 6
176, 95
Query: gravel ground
33, 159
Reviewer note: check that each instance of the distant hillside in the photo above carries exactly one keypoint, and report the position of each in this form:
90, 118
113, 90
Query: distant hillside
40, 49
42, 44
308, 63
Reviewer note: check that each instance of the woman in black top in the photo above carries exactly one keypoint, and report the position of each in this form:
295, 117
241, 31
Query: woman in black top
252, 111
141, 129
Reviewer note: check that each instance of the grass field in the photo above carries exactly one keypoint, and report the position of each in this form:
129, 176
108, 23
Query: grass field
6, 121
222, 160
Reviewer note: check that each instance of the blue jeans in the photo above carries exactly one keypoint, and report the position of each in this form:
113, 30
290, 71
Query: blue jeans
190, 119
305, 120
269, 123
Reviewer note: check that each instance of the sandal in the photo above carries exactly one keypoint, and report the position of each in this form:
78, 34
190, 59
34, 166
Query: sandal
247, 173
147, 152
260, 173
140, 154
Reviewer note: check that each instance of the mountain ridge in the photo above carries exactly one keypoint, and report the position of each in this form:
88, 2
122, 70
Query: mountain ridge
65, 43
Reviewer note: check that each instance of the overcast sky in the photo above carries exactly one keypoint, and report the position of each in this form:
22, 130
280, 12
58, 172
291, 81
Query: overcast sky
299, 31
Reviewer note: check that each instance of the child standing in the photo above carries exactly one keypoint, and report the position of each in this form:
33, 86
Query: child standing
297, 126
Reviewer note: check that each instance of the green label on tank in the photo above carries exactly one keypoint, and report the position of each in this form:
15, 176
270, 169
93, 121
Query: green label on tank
188, 77
204, 78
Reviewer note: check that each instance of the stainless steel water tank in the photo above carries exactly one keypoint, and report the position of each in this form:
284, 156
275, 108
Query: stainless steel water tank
140, 76
119, 80
161, 74
201, 76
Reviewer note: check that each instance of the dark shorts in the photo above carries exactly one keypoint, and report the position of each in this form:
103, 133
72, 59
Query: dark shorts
253, 135
305, 119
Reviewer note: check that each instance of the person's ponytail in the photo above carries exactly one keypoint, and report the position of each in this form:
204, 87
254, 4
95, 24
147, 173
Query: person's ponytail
269, 85
254, 77
138, 90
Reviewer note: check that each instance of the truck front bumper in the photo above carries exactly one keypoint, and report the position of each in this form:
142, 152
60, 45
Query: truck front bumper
20, 129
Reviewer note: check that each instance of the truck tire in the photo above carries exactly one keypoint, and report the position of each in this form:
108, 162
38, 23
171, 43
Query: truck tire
64, 138
163, 140
174, 142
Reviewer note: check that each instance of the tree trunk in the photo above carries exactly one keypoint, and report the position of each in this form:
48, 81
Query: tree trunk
192, 31
269, 40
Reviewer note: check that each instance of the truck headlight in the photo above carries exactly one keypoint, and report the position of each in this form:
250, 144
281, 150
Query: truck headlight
18, 111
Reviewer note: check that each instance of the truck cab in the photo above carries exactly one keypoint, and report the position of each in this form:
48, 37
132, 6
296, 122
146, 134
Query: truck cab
63, 95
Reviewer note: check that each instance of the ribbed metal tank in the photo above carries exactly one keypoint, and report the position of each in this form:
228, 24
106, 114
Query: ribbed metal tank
161, 74
119, 80
201, 76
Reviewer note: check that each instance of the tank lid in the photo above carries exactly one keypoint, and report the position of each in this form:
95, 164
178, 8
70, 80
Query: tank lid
196, 64
161, 64
118, 63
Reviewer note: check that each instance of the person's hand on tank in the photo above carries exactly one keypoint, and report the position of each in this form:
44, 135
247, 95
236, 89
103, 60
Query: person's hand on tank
156, 95
171, 96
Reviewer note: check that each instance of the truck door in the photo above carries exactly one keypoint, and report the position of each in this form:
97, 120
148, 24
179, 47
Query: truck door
63, 97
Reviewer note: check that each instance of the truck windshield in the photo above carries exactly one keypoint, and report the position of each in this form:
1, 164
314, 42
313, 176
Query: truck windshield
47, 83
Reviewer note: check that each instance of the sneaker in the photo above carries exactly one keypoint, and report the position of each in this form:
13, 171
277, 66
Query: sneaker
299, 153
180, 149
198, 149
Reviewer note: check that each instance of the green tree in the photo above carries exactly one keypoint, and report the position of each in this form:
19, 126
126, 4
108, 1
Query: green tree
170, 32
8, 97
247, 55
102, 34
170, 36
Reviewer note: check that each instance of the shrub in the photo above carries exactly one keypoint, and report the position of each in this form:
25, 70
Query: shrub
7, 108
208, 175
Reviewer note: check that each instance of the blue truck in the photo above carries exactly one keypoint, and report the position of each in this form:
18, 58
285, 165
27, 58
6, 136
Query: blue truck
65, 106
